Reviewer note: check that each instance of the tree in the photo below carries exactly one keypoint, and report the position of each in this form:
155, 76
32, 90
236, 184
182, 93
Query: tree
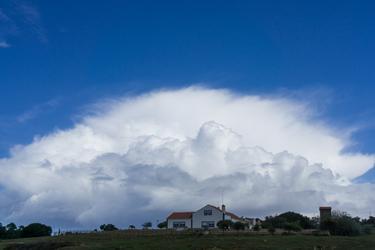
36, 230
108, 227
304, 221
257, 227
3, 231
11, 227
238, 226
11, 231
163, 224
147, 225
131, 227
225, 224
275, 222
281, 220
370, 220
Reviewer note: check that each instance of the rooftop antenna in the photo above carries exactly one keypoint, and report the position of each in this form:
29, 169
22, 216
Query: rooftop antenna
222, 195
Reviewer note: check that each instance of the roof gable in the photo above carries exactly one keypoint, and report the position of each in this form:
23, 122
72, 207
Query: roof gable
210, 206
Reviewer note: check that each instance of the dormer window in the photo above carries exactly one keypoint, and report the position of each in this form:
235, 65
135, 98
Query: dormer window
207, 212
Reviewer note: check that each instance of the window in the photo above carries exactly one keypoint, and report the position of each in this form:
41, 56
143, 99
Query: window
178, 224
208, 224
207, 212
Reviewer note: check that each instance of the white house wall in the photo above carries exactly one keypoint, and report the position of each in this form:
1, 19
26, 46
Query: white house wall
187, 222
199, 216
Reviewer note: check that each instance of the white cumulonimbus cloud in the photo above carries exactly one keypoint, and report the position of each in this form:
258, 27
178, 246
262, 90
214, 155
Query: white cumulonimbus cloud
138, 158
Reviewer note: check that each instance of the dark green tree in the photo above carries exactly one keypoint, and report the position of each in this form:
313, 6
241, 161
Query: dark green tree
225, 224
163, 224
281, 220
108, 227
3, 231
11, 231
292, 226
238, 226
36, 230
147, 225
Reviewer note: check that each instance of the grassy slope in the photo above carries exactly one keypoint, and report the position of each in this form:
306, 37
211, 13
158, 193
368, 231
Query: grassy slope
122, 241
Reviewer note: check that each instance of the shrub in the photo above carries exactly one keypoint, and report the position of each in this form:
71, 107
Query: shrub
163, 224
275, 222
367, 229
225, 224
238, 226
271, 230
341, 224
147, 225
292, 226
108, 227
289, 217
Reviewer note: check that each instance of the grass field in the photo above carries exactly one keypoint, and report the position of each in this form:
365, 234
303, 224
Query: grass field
119, 240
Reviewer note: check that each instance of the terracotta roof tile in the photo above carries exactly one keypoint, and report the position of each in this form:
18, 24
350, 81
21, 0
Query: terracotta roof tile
180, 215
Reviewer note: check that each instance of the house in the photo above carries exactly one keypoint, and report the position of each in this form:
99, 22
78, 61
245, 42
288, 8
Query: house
207, 217
251, 222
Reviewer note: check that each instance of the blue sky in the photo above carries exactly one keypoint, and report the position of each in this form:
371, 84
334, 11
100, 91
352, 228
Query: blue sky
59, 57
70, 53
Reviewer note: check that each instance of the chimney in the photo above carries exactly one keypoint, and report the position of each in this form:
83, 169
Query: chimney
223, 208
325, 213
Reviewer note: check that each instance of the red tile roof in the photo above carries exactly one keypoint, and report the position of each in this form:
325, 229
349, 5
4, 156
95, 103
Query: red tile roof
189, 215
180, 215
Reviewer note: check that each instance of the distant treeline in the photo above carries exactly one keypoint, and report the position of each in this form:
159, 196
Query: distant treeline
340, 223
11, 231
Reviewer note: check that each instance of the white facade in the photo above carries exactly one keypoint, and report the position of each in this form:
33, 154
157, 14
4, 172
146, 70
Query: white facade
179, 223
207, 217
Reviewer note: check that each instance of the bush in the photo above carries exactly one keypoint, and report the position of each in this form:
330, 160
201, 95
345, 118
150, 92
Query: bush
225, 224
289, 217
275, 222
341, 224
147, 225
36, 230
271, 230
238, 226
108, 227
163, 224
367, 229
292, 226
303, 221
